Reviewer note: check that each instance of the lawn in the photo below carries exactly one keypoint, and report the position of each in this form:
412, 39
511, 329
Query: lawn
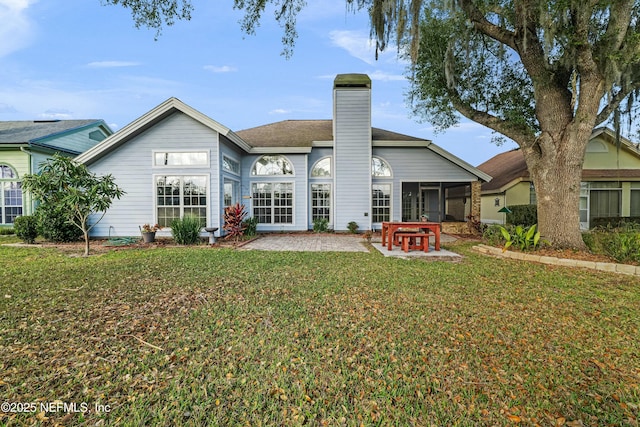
202, 336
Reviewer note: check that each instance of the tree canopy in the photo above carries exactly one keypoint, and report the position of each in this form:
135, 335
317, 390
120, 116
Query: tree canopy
71, 187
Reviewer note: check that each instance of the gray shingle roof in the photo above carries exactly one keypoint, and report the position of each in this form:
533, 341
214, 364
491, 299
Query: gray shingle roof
25, 131
302, 133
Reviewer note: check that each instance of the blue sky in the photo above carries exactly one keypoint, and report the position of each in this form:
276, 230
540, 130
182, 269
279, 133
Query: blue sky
78, 59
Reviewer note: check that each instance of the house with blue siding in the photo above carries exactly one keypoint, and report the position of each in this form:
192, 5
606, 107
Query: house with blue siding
25, 144
175, 161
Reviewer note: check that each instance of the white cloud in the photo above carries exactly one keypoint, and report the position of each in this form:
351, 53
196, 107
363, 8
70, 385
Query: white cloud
112, 64
356, 43
220, 69
16, 30
359, 45
279, 111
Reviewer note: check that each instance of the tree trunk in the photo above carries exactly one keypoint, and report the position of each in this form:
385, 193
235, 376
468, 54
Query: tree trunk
86, 242
556, 173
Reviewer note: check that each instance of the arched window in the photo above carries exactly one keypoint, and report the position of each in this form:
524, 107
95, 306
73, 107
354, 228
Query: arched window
272, 165
380, 168
7, 172
10, 195
322, 168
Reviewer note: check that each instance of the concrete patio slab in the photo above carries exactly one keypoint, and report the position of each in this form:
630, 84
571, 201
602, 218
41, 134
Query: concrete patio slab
304, 242
397, 252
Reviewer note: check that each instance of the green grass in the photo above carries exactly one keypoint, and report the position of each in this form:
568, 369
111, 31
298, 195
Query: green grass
202, 336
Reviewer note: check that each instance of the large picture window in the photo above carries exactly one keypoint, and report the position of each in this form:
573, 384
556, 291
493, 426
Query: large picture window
177, 196
10, 195
273, 202
381, 202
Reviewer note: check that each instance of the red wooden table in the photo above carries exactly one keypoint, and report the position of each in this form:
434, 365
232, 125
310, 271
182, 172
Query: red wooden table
389, 228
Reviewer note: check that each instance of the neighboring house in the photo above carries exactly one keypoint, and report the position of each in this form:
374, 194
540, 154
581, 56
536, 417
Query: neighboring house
610, 181
175, 160
24, 145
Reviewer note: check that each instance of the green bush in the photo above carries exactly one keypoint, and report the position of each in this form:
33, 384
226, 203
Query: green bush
353, 227
621, 244
251, 226
614, 222
524, 238
54, 224
26, 228
524, 215
6, 231
492, 235
320, 225
186, 230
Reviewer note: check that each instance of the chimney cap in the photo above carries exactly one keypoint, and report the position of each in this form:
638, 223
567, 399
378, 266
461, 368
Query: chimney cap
352, 80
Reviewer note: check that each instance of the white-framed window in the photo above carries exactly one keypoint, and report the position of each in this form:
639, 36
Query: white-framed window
320, 201
180, 195
272, 165
10, 195
230, 165
180, 158
273, 202
231, 193
605, 199
380, 168
635, 199
322, 168
381, 202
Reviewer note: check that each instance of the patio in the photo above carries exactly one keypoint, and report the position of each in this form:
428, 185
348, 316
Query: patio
305, 242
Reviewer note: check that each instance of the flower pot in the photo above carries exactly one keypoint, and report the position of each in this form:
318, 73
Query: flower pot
149, 237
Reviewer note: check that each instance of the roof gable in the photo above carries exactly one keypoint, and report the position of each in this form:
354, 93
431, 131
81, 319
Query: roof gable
58, 135
151, 118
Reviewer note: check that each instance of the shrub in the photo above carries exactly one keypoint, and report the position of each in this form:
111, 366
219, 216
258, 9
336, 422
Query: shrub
5, 231
614, 222
493, 236
54, 224
251, 226
234, 221
524, 238
320, 225
524, 215
26, 228
186, 230
621, 244
353, 227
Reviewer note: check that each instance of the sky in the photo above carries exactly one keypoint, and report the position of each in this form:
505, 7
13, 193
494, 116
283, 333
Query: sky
80, 59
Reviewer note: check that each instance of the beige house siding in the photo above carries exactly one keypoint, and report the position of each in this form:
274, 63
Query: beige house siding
603, 162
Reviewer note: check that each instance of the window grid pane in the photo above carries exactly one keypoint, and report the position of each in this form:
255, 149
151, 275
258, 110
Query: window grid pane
11, 203
178, 196
381, 202
320, 201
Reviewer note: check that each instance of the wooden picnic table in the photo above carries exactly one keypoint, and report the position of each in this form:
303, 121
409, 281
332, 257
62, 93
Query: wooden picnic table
391, 227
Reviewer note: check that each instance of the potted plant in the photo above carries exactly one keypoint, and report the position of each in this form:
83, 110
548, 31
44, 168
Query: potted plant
149, 232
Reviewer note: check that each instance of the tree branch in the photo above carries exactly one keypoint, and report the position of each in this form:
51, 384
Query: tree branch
483, 25
615, 101
520, 136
